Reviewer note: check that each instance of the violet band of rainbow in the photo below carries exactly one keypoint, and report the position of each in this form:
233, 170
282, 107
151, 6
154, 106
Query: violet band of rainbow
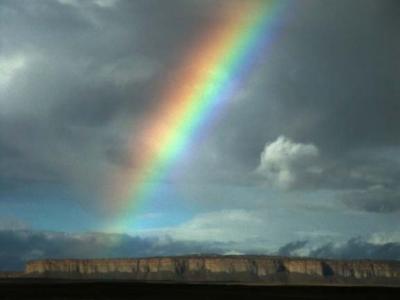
200, 91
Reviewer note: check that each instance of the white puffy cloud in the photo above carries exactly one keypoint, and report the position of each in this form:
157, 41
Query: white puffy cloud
287, 164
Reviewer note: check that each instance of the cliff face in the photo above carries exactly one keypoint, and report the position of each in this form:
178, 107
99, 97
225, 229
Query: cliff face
256, 269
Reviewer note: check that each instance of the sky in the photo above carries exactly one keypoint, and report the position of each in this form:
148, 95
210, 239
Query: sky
302, 159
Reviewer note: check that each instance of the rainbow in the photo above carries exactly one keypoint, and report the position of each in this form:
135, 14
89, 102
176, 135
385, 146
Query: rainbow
215, 67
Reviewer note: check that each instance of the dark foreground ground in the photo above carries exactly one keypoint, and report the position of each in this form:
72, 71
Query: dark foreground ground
56, 289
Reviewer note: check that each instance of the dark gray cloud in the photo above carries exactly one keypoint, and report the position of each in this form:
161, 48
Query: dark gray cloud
331, 80
364, 181
83, 76
359, 249
354, 248
80, 76
376, 199
290, 248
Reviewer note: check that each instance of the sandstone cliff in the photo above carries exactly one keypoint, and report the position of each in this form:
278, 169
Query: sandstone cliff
246, 269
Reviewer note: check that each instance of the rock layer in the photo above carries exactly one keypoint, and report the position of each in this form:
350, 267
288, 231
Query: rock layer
246, 269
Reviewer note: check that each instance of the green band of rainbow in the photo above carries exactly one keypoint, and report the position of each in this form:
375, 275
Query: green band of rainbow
212, 72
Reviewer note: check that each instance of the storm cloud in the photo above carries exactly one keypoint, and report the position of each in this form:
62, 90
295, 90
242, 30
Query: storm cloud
78, 76
290, 248
358, 248
375, 199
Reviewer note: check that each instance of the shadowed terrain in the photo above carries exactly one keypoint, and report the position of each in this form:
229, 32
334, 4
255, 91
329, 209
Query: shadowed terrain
67, 289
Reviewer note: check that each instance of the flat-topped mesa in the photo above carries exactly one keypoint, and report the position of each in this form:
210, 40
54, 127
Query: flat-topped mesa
254, 269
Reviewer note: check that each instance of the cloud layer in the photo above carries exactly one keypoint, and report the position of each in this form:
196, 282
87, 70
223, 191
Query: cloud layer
20, 246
